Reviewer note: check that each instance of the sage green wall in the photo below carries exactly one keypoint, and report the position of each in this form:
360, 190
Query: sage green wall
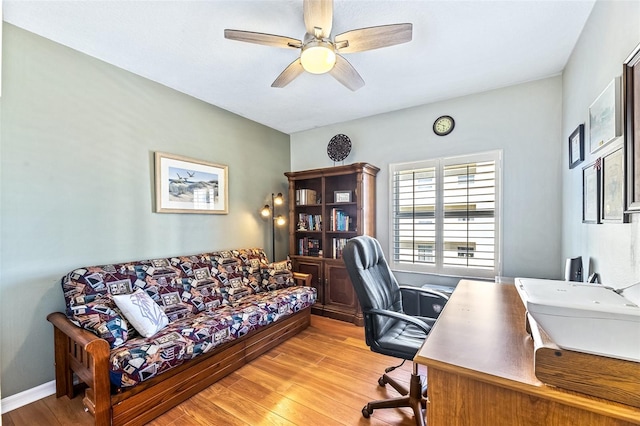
609, 36
78, 137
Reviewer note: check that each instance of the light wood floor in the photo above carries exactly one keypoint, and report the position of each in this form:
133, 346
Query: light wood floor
322, 376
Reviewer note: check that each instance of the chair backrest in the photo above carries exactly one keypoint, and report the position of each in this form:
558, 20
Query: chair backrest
372, 279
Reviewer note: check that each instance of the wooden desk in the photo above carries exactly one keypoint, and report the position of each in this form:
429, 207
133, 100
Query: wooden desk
480, 369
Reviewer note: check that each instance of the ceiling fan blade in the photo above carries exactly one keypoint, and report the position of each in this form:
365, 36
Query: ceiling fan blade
346, 74
289, 74
261, 38
318, 14
373, 37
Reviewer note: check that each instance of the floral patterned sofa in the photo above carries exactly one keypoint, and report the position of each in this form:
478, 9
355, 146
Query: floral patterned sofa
144, 336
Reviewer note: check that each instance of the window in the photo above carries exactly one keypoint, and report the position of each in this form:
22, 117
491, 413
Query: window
425, 252
445, 215
465, 251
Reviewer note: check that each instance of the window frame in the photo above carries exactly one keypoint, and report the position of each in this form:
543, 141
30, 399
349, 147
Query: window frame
439, 268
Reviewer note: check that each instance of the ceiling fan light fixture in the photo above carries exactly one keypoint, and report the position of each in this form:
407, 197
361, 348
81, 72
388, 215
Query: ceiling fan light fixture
318, 57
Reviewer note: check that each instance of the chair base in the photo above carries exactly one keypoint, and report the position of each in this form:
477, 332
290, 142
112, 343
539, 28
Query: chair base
414, 397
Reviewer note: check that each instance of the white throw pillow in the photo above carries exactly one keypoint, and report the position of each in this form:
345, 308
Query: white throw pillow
142, 312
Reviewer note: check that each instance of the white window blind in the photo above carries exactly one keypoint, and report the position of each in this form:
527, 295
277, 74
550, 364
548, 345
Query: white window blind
445, 215
414, 206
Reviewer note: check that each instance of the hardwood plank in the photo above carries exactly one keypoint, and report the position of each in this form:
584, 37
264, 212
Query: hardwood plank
175, 416
335, 348
335, 328
336, 408
200, 411
241, 409
330, 388
278, 403
363, 359
7, 421
255, 412
324, 376
70, 410
32, 414
331, 383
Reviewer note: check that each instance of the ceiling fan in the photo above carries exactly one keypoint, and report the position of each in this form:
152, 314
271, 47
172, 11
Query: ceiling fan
320, 54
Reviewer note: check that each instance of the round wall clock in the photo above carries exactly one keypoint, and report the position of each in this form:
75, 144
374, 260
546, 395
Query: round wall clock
443, 125
339, 147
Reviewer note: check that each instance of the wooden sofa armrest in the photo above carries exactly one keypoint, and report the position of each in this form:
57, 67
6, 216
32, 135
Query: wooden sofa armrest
79, 335
302, 278
81, 352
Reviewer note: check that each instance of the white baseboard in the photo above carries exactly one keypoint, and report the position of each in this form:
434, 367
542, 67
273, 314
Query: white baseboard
27, 397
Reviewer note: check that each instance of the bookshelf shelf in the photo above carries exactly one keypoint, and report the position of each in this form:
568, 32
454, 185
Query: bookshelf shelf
319, 228
338, 205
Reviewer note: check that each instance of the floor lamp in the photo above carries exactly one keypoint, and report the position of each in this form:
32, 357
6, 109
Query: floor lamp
269, 210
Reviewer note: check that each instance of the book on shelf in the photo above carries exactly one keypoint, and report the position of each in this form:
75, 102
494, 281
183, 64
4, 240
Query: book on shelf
309, 222
305, 196
309, 247
339, 220
338, 245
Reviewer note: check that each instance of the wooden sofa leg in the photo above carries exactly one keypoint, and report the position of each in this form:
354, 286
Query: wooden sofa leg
100, 392
64, 375
102, 412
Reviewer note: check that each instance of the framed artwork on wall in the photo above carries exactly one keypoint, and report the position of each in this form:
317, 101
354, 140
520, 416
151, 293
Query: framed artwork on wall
186, 185
605, 122
612, 187
631, 76
591, 193
576, 147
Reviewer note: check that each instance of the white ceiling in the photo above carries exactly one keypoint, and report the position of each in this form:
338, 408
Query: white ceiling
458, 48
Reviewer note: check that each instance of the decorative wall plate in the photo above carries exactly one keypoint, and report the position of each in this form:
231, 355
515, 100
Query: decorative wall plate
339, 147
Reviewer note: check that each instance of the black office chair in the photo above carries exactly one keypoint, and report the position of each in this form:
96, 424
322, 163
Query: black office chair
388, 330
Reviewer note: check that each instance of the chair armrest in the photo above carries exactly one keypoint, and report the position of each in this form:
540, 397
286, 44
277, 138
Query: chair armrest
424, 291
303, 278
422, 302
402, 317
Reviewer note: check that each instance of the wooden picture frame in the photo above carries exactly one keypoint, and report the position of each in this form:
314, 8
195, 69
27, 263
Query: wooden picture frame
591, 194
631, 77
605, 123
187, 185
612, 194
341, 196
576, 146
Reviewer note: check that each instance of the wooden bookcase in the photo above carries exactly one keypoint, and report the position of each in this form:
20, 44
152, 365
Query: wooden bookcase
327, 207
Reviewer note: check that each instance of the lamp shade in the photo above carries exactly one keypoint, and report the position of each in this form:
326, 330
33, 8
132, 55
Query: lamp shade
318, 57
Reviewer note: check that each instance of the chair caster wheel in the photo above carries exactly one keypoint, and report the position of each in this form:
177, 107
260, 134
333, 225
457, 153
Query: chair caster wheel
366, 412
381, 381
